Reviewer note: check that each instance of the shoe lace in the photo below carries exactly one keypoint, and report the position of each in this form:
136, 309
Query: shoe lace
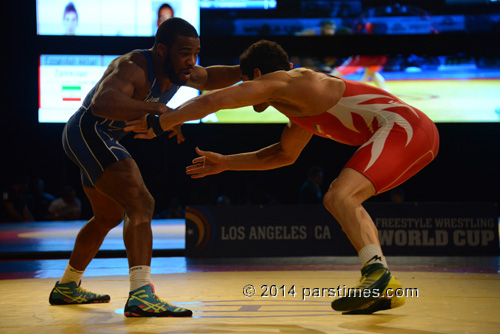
362, 282
85, 292
159, 299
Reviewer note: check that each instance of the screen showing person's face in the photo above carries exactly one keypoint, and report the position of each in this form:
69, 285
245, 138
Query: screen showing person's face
164, 14
70, 21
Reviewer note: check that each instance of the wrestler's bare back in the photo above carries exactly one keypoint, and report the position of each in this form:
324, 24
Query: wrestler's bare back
305, 93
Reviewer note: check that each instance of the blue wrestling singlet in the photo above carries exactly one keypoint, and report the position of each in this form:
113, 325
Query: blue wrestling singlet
93, 142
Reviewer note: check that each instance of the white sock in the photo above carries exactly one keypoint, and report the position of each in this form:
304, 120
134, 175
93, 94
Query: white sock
71, 275
372, 254
139, 276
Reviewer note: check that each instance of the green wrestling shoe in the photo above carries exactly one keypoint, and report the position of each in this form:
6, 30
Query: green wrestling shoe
143, 302
71, 293
378, 280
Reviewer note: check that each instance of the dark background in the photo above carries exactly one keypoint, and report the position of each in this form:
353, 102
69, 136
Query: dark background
465, 170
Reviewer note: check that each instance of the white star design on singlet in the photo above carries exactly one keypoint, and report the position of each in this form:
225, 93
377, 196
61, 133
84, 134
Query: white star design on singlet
386, 119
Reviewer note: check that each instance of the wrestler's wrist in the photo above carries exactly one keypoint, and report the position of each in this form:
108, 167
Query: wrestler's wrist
153, 122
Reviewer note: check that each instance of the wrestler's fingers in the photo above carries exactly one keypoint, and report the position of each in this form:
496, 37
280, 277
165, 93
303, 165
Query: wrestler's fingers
132, 128
198, 176
194, 168
150, 134
135, 122
180, 138
198, 160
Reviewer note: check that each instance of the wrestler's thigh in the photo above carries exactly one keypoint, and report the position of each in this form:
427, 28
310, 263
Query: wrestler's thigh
123, 183
396, 162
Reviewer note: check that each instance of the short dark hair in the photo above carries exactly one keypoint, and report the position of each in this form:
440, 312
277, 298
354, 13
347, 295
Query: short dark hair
165, 5
70, 8
265, 55
171, 28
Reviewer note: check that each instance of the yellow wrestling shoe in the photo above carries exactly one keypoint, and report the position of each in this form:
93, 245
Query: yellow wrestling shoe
383, 303
378, 282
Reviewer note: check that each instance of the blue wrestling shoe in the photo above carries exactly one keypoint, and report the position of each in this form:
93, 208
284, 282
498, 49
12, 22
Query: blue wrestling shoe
71, 293
378, 280
143, 302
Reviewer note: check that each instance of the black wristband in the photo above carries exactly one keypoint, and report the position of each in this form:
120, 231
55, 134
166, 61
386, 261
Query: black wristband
154, 123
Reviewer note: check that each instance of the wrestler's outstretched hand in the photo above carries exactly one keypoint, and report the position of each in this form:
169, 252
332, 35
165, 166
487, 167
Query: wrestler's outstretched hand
208, 163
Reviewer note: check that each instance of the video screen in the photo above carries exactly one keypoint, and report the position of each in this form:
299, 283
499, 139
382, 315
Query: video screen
449, 89
111, 17
351, 17
237, 4
65, 80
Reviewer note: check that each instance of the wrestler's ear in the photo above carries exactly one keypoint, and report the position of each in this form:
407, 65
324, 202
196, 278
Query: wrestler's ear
161, 49
291, 66
256, 73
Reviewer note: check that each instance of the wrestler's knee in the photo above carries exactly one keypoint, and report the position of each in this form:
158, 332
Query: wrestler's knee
107, 220
140, 204
334, 199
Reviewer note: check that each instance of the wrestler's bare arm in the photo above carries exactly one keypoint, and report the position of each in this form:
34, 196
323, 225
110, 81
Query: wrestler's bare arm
244, 94
214, 77
284, 153
116, 96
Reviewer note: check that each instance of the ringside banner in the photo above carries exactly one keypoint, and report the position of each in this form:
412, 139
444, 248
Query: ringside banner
309, 230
